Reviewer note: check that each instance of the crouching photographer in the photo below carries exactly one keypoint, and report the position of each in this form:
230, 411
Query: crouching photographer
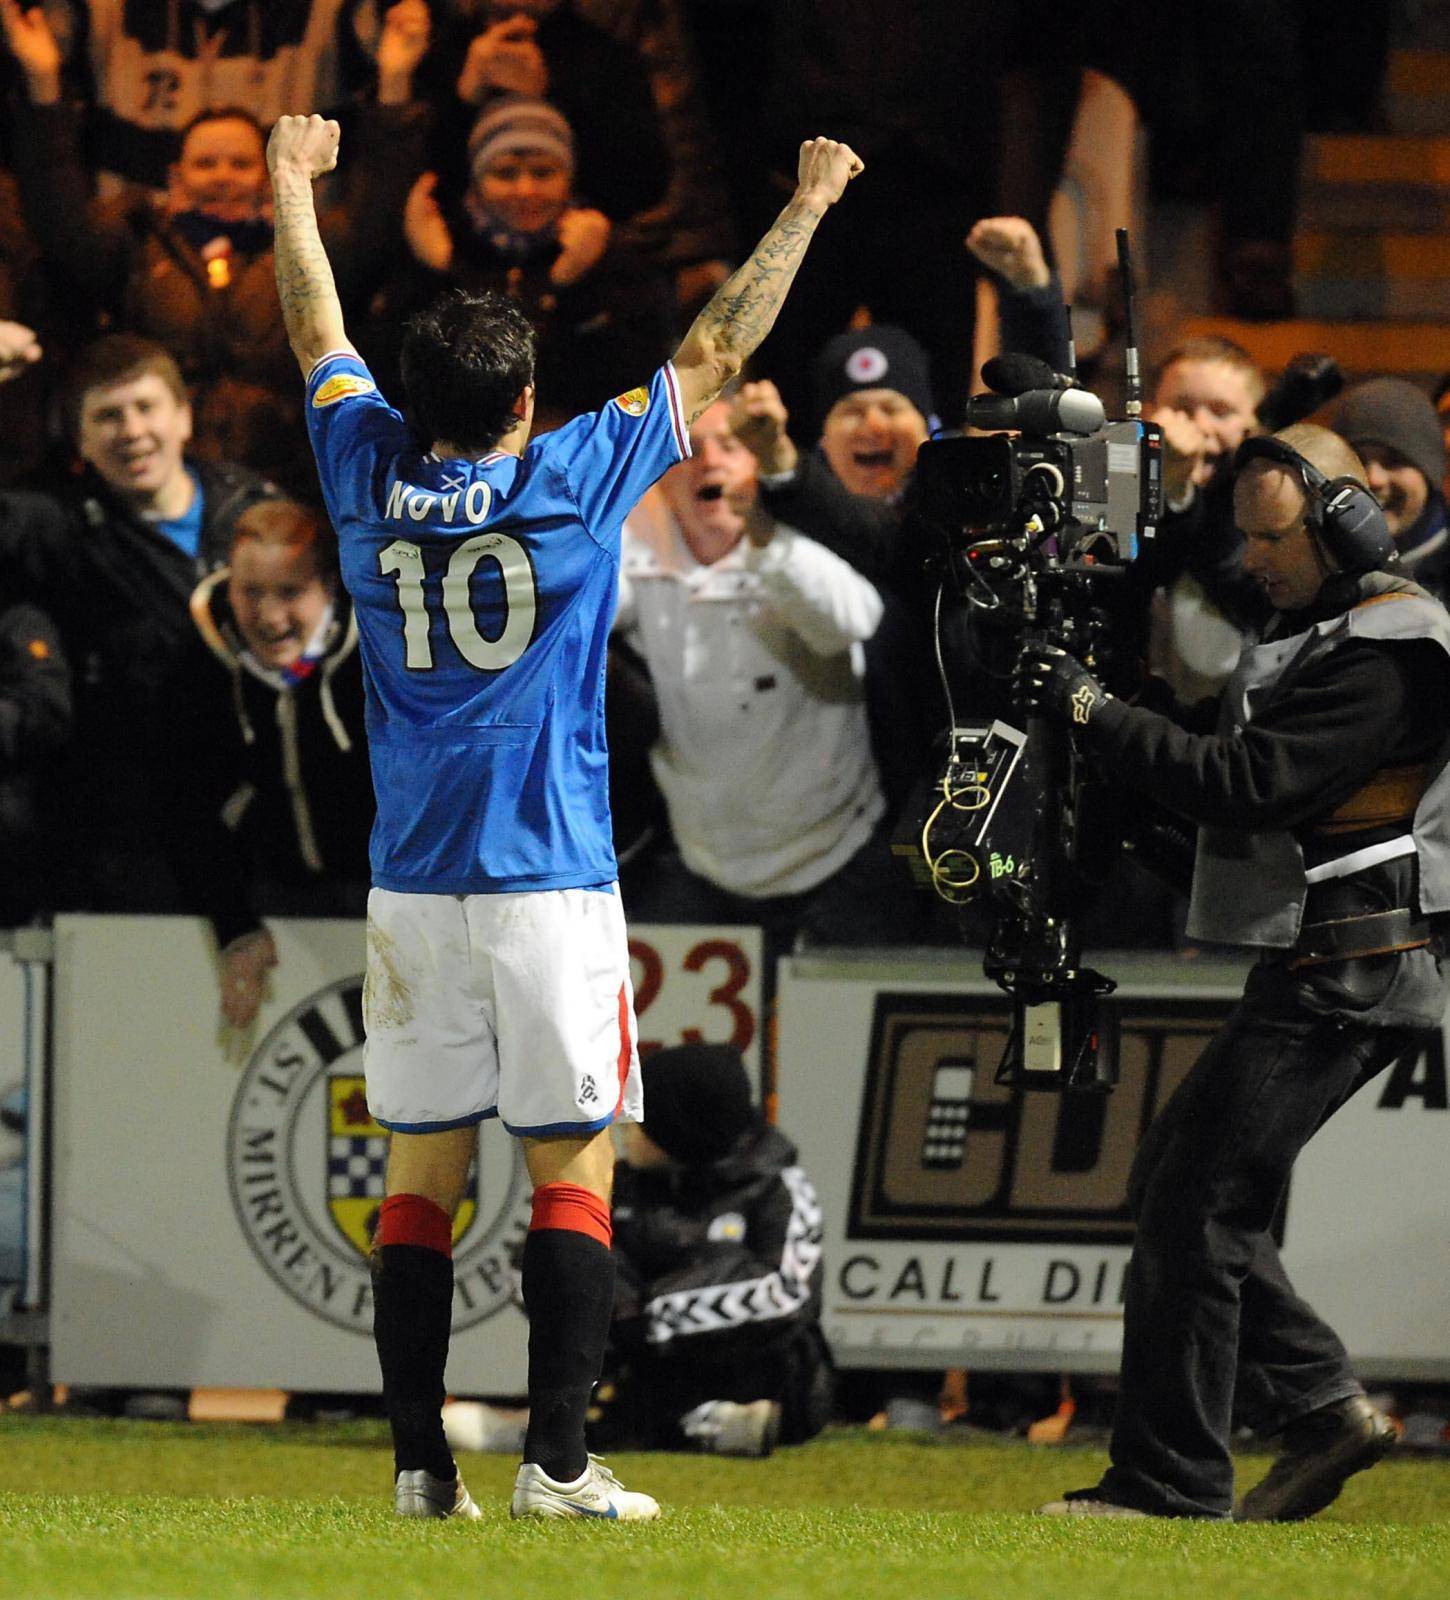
1322, 800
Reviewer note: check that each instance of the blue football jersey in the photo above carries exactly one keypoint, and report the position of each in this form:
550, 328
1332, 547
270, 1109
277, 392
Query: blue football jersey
484, 591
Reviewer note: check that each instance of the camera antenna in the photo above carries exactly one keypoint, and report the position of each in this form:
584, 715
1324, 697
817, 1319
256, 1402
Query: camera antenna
1133, 383
1071, 344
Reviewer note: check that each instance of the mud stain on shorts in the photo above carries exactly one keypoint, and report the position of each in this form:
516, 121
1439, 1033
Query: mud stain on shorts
387, 998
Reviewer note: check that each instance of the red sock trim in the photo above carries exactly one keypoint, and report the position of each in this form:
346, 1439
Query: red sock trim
412, 1219
579, 1210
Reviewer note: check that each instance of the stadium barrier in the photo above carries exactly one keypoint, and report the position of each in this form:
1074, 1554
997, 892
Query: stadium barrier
211, 1196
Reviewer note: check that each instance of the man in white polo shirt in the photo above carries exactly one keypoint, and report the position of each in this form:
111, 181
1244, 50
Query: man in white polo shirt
753, 636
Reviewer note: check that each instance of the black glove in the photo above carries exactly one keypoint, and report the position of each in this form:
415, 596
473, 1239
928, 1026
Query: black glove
1054, 684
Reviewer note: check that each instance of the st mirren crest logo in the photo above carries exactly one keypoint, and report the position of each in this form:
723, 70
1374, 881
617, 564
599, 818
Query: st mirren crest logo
357, 1165
306, 1165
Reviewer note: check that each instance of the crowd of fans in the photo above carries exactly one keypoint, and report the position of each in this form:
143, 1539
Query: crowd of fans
180, 692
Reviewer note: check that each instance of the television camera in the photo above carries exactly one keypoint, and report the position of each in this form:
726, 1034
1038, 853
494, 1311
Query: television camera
1039, 519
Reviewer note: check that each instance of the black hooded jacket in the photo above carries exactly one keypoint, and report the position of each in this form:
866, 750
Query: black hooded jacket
273, 775
719, 1261
35, 720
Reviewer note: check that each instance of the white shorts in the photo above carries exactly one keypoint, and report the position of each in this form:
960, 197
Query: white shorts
510, 1005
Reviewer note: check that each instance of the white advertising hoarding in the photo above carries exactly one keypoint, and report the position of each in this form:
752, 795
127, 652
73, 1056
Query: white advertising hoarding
214, 1195
972, 1225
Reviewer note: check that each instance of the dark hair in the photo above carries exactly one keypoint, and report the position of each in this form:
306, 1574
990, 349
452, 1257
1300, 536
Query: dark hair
221, 114
118, 358
465, 361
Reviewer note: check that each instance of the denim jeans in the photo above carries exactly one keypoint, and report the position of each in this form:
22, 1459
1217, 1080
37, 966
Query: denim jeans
1212, 1330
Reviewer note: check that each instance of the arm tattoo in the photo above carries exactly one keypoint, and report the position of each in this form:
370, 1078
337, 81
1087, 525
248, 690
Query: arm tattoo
305, 286
745, 307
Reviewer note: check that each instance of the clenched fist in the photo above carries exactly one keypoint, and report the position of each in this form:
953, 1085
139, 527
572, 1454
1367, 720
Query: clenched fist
308, 144
1010, 245
826, 167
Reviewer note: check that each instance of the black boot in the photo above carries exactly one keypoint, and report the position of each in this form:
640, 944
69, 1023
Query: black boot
1319, 1452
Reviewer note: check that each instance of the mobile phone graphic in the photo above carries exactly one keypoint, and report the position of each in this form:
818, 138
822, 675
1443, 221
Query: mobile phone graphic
944, 1143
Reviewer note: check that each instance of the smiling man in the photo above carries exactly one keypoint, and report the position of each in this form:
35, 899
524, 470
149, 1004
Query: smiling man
1321, 792
114, 555
873, 397
1393, 426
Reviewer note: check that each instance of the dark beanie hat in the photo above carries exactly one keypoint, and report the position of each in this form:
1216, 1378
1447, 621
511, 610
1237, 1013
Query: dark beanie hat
1394, 413
878, 357
697, 1101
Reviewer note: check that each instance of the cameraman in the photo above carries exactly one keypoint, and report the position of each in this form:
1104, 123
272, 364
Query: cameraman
1323, 806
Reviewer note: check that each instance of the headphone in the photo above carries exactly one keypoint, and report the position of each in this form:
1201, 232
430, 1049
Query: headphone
1344, 515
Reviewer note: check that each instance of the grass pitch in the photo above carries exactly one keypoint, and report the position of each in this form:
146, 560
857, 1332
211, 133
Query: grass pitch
131, 1509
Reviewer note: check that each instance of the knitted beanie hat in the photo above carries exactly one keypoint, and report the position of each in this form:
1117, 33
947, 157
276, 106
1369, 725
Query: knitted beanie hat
878, 357
1396, 414
697, 1101
516, 124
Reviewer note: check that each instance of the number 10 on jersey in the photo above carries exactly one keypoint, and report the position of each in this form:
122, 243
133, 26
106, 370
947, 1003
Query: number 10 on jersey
403, 561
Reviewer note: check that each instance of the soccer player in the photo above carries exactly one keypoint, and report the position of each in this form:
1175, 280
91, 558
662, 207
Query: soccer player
484, 572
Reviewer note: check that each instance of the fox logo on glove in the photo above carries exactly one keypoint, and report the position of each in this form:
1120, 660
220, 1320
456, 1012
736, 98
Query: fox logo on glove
1083, 702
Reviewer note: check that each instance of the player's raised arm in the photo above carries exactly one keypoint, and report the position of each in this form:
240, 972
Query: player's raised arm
300, 150
744, 308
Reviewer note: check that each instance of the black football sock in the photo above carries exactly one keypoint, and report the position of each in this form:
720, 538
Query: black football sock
412, 1316
568, 1286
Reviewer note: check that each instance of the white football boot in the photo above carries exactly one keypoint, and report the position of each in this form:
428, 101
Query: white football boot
419, 1494
596, 1493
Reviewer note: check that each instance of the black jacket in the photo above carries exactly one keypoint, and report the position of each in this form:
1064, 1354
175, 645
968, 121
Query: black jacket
718, 1263
1366, 706
274, 776
35, 721
118, 591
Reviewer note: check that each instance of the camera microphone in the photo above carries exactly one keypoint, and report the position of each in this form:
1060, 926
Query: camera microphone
1039, 411
1013, 373
1308, 382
